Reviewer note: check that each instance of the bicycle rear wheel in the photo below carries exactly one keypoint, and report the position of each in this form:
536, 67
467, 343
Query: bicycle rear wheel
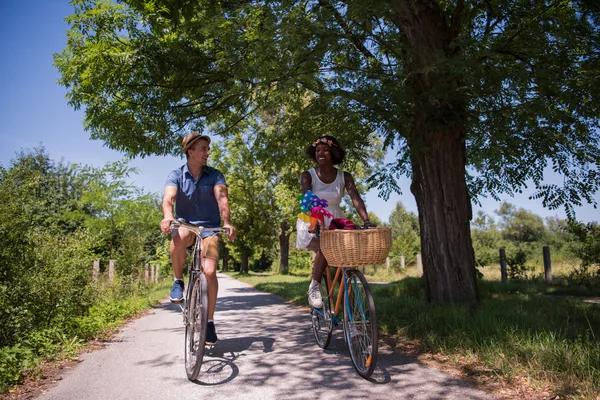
360, 323
321, 317
195, 328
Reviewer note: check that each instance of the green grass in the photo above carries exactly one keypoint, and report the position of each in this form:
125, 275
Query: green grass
516, 331
63, 341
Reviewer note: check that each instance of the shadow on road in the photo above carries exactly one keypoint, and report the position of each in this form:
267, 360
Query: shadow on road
277, 329
219, 365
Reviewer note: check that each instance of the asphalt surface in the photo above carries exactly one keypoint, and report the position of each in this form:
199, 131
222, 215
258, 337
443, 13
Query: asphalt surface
266, 350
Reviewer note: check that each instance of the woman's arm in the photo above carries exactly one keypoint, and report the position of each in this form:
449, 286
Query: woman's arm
358, 203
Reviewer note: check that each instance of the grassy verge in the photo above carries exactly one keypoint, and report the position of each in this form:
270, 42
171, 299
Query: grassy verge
64, 341
516, 333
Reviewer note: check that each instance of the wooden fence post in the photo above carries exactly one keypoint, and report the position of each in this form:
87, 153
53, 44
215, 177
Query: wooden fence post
146, 273
157, 273
152, 273
111, 270
402, 263
419, 265
547, 265
387, 265
503, 273
96, 270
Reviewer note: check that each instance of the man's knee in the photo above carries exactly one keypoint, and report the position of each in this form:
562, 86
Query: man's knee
210, 267
180, 241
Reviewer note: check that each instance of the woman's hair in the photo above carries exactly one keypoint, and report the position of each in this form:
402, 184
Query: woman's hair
337, 151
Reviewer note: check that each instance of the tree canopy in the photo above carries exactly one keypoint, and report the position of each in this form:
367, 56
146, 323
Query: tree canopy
475, 97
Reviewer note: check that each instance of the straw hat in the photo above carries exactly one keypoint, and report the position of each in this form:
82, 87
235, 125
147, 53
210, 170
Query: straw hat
190, 139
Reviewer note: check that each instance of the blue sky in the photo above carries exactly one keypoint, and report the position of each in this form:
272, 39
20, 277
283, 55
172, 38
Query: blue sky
34, 111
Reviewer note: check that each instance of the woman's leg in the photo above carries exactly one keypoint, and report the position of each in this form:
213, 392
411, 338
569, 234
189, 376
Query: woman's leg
318, 262
318, 267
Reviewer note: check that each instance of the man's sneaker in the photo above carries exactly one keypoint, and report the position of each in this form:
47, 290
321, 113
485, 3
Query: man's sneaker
211, 334
176, 295
314, 295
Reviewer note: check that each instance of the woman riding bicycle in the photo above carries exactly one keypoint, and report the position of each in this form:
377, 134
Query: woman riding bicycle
328, 182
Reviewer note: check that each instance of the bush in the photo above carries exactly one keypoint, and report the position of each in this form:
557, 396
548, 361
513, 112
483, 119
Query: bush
587, 248
13, 360
300, 261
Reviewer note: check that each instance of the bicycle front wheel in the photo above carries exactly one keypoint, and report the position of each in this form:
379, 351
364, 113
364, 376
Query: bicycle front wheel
195, 328
360, 323
321, 317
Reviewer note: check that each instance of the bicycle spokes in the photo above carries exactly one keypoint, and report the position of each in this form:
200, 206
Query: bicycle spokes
360, 324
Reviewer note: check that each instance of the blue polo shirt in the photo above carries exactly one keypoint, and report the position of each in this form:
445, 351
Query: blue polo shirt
196, 201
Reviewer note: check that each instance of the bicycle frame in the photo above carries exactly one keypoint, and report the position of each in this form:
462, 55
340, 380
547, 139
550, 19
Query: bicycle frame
195, 305
340, 277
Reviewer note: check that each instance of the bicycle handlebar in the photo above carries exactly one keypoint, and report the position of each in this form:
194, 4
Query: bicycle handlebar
197, 229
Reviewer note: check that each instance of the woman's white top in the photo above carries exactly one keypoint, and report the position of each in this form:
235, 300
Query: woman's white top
332, 192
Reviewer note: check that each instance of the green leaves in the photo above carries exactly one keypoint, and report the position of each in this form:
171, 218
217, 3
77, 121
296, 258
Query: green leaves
509, 87
405, 235
148, 72
55, 220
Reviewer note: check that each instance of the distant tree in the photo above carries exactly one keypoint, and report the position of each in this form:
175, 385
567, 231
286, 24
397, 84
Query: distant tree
520, 225
558, 236
374, 218
405, 234
251, 197
587, 248
486, 239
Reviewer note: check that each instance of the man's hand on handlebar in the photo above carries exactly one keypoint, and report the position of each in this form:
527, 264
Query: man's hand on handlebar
230, 230
165, 225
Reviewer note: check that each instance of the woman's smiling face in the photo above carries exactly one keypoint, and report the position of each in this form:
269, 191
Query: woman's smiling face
323, 154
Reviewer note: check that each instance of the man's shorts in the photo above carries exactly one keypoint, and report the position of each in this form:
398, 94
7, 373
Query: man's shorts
210, 245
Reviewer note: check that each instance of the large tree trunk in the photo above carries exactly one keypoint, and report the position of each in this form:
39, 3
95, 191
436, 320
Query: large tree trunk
440, 190
284, 249
438, 149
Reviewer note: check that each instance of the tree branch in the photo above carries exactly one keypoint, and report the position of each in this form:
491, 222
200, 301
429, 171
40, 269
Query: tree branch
348, 31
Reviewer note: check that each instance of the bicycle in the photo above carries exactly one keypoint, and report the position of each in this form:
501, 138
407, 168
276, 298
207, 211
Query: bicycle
353, 295
195, 305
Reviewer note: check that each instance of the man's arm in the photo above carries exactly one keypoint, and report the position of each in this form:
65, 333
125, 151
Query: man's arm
221, 194
168, 205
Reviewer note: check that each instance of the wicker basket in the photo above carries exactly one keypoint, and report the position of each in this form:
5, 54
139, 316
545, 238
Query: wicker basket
356, 248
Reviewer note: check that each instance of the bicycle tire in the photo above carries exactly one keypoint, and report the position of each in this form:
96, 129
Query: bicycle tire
195, 328
360, 323
322, 323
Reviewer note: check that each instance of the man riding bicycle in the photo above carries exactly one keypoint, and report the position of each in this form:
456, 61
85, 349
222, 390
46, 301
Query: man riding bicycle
198, 194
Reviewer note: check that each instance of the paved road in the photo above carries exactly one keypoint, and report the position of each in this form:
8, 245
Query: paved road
266, 351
